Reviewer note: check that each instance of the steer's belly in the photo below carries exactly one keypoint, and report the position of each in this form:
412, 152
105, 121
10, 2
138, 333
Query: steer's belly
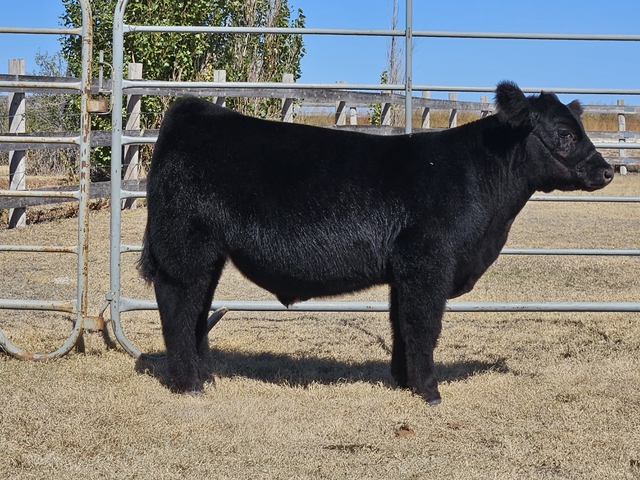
296, 272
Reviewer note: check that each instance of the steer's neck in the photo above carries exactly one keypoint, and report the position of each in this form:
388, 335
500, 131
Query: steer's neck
502, 153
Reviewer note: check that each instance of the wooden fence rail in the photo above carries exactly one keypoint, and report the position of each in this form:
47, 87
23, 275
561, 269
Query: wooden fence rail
98, 190
303, 97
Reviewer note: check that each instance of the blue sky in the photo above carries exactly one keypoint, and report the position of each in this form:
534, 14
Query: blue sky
436, 61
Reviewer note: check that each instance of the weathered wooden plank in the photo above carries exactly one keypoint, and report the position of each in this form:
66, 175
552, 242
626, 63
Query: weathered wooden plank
99, 138
132, 152
320, 97
96, 190
17, 157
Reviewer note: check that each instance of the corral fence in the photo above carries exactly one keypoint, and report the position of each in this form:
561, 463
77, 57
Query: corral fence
81, 140
124, 138
120, 303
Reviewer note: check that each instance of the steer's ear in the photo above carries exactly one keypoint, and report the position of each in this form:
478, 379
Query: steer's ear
513, 106
575, 107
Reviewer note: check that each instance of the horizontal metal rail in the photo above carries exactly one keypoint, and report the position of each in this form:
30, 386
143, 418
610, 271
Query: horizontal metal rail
274, 85
381, 32
534, 198
558, 90
40, 85
125, 140
42, 31
583, 198
43, 305
130, 304
31, 139
128, 84
124, 194
129, 140
621, 145
40, 193
505, 251
263, 30
570, 251
38, 249
588, 37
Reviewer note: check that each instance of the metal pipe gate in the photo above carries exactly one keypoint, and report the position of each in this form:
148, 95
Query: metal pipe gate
77, 307
120, 303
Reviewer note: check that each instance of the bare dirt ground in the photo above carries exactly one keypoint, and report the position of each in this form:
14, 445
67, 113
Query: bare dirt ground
299, 395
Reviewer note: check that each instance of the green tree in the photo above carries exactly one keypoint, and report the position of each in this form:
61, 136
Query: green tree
194, 57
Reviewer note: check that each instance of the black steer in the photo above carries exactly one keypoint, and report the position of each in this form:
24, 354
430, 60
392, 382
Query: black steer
305, 212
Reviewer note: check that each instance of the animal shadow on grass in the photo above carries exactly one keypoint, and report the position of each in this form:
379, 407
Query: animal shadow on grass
303, 371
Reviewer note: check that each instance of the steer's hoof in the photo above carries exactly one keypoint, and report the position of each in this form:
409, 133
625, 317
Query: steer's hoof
192, 388
432, 397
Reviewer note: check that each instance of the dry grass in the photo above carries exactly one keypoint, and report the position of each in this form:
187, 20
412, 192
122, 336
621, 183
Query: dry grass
525, 395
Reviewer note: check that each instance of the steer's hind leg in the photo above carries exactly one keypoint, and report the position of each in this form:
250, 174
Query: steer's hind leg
182, 307
398, 354
202, 327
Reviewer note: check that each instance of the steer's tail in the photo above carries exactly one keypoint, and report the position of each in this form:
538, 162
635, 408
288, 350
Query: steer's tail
147, 264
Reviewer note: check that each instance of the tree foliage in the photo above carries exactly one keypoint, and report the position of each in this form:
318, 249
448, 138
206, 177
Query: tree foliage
194, 57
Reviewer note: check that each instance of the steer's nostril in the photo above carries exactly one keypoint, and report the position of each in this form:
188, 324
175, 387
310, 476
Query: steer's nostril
608, 175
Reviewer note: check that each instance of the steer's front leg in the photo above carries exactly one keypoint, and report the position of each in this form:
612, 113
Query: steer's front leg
417, 309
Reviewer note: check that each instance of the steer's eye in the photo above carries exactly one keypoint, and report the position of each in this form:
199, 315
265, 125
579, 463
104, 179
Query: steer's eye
565, 134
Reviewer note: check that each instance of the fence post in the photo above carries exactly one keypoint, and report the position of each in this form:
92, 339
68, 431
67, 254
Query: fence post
622, 127
353, 116
220, 76
341, 115
385, 111
453, 117
484, 100
132, 152
17, 158
287, 103
426, 112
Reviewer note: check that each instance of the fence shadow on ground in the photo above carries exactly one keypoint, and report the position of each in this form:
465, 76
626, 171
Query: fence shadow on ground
303, 371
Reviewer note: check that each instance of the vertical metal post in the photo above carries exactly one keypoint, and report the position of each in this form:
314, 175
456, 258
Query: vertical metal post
116, 182
84, 170
408, 67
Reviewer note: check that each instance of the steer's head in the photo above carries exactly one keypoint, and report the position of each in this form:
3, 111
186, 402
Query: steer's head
558, 151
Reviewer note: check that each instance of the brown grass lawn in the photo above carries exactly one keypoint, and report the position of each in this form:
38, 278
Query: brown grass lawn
299, 395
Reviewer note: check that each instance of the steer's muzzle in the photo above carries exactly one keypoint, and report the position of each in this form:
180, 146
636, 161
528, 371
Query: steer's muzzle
595, 172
